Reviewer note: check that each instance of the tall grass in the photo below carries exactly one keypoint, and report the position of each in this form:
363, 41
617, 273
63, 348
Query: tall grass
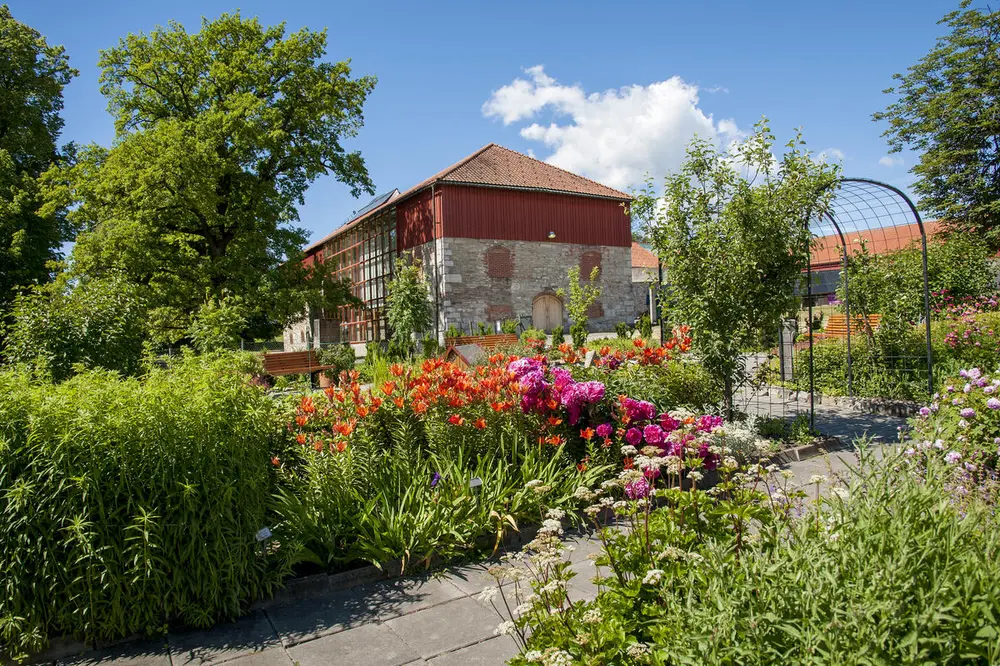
377, 505
130, 504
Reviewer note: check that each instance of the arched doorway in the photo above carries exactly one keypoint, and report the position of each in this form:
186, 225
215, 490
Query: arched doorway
546, 312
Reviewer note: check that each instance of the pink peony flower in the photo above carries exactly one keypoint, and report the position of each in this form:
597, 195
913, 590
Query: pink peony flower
653, 434
633, 436
604, 430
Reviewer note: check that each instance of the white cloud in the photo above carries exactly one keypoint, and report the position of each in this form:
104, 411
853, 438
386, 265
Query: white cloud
615, 137
830, 154
890, 161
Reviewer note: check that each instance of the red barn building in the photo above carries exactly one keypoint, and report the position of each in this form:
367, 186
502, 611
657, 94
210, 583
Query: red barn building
495, 234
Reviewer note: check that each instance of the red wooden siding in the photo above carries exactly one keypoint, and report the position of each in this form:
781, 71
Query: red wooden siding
414, 221
486, 212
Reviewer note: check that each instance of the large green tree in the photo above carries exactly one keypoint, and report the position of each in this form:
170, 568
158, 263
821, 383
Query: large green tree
32, 77
218, 135
947, 110
732, 229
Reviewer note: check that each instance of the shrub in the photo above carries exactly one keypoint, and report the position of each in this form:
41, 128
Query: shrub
509, 326
453, 332
674, 385
129, 504
645, 327
888, 571
558, 335
340, 357
98, 323
430, 348
623, 330
482, 328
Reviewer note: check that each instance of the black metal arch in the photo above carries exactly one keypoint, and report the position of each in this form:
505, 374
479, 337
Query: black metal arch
882, 213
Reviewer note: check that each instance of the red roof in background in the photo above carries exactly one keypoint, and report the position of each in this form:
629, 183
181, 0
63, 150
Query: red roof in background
643, 258
827, 253
496, 166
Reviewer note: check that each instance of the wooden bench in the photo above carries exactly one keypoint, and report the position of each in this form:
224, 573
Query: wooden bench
836, 325
293, 363
484, 341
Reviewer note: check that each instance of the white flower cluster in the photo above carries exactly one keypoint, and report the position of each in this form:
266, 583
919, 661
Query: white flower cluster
489, 594
505, 628
637, 650
592, 616
653, 577
555, 514
550, 526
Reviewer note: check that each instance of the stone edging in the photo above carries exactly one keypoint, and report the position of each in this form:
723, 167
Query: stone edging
305, 587
820, 446
878, 406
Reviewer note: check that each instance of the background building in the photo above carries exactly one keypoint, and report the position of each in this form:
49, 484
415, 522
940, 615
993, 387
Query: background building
495, 234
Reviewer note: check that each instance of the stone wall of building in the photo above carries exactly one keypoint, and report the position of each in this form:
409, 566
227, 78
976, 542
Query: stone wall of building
487, 280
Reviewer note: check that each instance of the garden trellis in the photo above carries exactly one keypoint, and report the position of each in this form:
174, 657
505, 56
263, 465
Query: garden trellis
866, 218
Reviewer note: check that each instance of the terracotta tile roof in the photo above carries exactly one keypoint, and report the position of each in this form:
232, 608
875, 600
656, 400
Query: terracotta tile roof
502, 167
496, 166
643, 258
826, 252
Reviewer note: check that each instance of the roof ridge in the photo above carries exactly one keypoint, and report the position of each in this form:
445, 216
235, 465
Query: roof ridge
566, 171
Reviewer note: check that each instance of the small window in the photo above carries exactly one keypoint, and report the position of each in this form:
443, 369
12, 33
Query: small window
499, 263
588, 262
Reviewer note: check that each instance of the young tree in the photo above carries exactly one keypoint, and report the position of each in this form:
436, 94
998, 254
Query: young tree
946, 109
408, 305
219, 134
582, 295
32, 77
732, 230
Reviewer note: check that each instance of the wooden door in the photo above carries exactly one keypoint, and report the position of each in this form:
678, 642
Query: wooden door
546, 312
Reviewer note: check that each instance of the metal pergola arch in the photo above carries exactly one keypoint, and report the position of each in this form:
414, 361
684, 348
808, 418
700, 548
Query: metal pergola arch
885, 215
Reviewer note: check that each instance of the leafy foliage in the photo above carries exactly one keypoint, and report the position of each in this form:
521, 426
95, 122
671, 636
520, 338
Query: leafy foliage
341, 357
130, 504
945, 111
218, 135
97, 323
734, 239
217, 325
34, 75
408, 308
889, 570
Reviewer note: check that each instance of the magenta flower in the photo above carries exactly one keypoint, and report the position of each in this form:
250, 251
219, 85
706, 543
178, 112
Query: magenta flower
604, 430
633, 436
637, 489
993, 403
925, 411
967, 412
669, 423
653, 434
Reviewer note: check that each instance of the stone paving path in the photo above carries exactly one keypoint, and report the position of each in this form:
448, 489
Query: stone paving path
432, 619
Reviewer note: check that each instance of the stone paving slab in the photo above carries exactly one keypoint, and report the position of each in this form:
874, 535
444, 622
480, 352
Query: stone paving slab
447, 627
223, 642
140, 653
487, 653
367, 645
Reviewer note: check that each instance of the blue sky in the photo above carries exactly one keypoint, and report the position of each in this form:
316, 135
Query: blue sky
611, 90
